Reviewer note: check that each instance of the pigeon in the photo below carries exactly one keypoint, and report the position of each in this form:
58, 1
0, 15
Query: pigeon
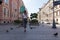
11, 28
55, 34
7, 31
30, 27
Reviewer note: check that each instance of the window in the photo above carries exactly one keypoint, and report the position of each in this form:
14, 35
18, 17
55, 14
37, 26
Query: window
6, 12
56, 0
55, 7
6, 1
56, 19
59, 12
13, 5
19, 9
58, 6
56, 13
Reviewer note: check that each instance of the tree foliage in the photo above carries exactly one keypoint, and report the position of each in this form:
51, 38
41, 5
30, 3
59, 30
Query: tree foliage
33, 15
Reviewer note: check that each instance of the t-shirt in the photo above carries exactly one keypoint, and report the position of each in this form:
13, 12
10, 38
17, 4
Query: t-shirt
24, 16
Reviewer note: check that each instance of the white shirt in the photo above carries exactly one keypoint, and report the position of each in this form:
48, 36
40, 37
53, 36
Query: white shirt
24, 16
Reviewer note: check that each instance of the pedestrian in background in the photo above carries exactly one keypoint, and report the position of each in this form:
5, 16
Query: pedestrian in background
25, 17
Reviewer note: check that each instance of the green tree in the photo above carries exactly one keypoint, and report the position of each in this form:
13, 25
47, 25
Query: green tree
33, 15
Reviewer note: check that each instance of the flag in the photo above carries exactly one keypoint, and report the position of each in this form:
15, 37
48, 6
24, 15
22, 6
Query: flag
22, 9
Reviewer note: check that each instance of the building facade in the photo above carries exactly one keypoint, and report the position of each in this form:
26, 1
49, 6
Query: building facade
39, 15
10, 10
46, 13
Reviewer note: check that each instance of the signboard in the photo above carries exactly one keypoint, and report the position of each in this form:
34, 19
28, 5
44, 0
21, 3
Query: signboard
56, 3
22, 9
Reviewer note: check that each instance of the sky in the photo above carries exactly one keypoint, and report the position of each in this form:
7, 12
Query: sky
34, 5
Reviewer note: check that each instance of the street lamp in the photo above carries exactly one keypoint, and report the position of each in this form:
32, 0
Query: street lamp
54, 25
55, 3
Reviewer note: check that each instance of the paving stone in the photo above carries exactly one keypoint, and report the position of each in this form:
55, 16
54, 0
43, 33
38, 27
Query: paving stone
39, 33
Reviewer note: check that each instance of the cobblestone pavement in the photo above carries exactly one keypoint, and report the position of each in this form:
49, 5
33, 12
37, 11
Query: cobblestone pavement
41, 32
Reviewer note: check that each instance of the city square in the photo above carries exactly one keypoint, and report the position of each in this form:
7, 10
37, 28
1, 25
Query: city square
41, 32
29, 19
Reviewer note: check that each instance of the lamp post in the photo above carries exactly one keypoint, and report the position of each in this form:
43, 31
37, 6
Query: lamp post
54, 24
